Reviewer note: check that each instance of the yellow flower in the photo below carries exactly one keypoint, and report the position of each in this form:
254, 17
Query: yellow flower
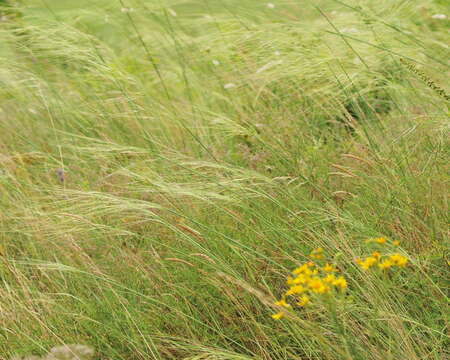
368, 262
301, 269
380, 240
396, 243
301, 279
278, 316
297, 289
386, 264
376, 255
303, 300
316, 253
328, 268
340, 282
399, 260
317, 286
282, 303
329, 278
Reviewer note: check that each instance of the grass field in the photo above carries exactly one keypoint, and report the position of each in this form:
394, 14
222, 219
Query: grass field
166, 164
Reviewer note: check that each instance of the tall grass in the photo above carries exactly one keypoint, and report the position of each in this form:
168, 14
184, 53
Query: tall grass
164, 166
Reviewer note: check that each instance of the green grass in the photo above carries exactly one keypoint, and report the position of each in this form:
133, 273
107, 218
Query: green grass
207, 147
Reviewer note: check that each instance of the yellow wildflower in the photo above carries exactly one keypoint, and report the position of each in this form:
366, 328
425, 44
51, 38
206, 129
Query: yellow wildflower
303, 300
399, 260
304, 269
317, 253
282, 303
386, 264
380, 240
396, 243
328, 268
278, 316
329, 278
317, 286
376, 255
301, 279
340, 282
297, 289
368, 262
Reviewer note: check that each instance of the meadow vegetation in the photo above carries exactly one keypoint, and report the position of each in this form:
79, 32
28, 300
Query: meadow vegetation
166, 165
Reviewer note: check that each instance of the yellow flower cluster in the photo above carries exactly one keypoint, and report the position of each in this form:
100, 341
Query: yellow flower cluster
310, 279
386, 263
383, 262
382, 240
316, 280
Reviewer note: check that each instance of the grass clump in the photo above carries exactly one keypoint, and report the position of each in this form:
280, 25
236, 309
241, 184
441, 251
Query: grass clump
163, 166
